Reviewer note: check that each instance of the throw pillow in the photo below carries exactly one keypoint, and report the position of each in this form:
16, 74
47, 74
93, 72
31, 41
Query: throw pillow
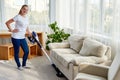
93, 48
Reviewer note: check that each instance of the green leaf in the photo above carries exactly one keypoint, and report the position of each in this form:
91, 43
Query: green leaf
58, 34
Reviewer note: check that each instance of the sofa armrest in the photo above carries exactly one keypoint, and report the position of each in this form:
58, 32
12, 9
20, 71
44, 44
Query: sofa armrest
59, 45
94, 69
106, 63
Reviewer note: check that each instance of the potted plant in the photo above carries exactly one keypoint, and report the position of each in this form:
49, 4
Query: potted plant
58, 34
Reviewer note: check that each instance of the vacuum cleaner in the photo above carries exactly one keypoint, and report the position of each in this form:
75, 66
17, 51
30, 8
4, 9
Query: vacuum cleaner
34, 39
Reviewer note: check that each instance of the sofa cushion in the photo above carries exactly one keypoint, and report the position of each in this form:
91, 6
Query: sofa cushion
76, 42
88, 59
84, 76
64, 56
93, 48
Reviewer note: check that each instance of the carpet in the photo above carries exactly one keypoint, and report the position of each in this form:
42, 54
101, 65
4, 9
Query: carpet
41, 69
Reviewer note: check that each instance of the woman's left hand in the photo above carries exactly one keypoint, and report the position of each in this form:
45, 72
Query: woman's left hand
30, 34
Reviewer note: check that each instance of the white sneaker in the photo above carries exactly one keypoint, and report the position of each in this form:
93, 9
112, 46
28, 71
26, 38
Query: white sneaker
26, 67
20, 68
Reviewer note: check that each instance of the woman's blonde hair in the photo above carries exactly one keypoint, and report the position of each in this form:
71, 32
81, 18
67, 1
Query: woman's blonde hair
23, 7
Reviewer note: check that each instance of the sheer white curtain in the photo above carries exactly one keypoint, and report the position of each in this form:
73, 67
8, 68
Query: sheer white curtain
39, 15
1, 15
115, 31
86, 15
63, 13
115, 34
98, 18
70, 15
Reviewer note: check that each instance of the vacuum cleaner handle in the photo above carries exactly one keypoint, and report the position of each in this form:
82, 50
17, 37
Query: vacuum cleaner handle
34, 39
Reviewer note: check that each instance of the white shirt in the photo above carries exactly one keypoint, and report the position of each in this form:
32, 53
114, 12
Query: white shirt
21, 23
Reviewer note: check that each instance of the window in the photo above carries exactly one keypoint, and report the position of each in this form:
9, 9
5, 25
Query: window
39, 11
108, 17
11, 8
94, 16
81, 21
100, 16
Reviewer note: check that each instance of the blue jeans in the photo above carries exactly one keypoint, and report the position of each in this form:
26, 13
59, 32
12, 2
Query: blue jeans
16, 44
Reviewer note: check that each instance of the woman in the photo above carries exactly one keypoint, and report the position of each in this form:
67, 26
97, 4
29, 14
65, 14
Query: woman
18, 35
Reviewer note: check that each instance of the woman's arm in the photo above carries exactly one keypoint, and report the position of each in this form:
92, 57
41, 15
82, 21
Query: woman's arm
8, 24
9, 27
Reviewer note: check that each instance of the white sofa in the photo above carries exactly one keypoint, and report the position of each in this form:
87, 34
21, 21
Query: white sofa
79, 49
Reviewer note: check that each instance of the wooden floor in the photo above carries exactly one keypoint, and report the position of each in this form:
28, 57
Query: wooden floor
40, 70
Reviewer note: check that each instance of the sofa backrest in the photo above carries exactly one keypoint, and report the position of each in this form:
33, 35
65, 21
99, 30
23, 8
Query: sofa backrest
114, 70
76, 42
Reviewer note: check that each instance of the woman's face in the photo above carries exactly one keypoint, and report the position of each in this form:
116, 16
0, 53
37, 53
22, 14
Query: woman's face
24, 10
